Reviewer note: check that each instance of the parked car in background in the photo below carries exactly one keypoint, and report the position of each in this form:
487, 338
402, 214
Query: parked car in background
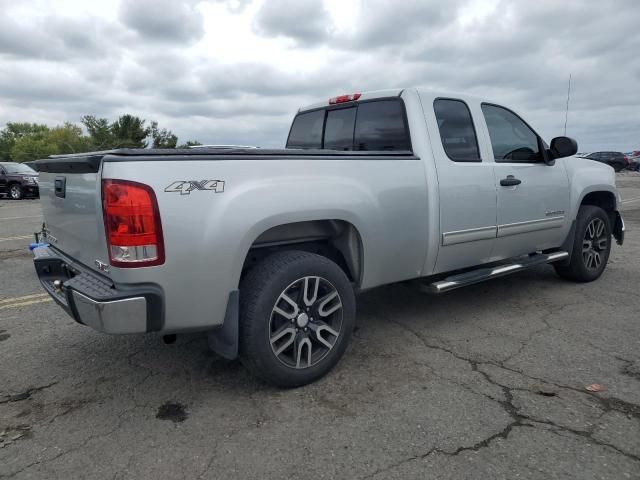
18, 181
617, 160
634, 160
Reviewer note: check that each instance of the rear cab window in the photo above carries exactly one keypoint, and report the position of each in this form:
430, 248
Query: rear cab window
373, 125
306, 131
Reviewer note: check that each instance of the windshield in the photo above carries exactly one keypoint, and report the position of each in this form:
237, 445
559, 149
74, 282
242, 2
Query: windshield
17, 168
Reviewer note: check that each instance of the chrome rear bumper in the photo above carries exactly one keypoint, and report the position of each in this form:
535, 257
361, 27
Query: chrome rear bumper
96, 301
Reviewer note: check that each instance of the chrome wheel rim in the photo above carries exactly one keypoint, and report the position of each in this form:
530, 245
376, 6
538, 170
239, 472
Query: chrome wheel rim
15, 192
306, 322
594, 244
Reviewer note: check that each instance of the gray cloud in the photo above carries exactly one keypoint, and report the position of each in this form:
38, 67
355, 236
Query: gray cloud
55, 69
163, 20
57, 38
305, 21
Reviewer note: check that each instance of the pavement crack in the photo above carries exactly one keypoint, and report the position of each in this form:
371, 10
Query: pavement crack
18, 397
519, 419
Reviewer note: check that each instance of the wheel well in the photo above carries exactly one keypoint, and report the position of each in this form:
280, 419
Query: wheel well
335, 239
604, 200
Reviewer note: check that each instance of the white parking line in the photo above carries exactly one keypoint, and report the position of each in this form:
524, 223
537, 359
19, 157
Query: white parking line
20, 218
24, 298
630, 200
19, 237
24, 304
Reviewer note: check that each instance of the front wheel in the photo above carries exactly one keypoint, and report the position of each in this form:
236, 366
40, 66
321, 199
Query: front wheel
591, 246
297, 312
15, 192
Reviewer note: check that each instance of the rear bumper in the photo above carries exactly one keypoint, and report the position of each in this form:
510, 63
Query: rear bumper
96, 301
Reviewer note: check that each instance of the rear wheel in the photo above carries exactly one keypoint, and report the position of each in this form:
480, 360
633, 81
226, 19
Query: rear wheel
591, 247
15, 192
297, 311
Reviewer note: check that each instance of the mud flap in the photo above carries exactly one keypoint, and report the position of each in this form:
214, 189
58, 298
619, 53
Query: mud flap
618, 229
224, 340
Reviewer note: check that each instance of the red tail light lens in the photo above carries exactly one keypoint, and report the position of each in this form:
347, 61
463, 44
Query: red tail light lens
132, 224
344, 98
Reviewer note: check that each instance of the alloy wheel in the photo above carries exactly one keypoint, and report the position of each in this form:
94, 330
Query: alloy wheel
15, 192
594, 244
305, 322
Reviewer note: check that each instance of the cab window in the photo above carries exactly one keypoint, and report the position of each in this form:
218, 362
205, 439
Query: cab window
338, 131
512, 139
306, 131
456, 128
380, 125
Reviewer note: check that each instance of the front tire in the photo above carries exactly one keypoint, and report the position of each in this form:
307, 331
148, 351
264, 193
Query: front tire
15, 192
297, 312
591, 246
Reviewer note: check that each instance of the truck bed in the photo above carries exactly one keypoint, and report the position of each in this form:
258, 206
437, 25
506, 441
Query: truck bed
89, 162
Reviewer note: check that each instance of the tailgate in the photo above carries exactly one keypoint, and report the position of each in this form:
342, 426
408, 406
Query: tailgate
70, 194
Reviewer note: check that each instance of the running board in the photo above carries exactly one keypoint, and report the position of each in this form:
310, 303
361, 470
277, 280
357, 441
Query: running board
482, 274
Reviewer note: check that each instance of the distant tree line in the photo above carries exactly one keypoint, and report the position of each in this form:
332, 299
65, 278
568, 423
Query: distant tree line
21, 142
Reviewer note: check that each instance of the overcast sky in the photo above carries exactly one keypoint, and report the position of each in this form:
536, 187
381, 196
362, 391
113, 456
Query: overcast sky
236, 71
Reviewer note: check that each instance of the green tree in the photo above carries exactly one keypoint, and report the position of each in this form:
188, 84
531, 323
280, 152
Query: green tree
32, 148
14, 131
100, 132
189, 143
162, 138
129, 132
68, 138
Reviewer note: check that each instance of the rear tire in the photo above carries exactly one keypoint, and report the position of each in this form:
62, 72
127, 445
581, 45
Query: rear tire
15, 192
297, 312
591, 246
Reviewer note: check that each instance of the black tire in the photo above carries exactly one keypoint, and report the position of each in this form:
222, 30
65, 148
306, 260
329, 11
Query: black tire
581, 268
260, 293
15, 192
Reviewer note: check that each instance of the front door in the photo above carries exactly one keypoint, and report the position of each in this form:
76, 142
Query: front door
533, 197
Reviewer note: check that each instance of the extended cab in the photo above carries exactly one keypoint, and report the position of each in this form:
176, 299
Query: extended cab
265, 249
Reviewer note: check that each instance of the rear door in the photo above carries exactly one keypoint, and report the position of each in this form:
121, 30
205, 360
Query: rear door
466, 185
533, 197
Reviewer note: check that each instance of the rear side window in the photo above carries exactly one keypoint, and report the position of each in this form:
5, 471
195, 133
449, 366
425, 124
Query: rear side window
456, 130
381, 125
306, 131
338, 132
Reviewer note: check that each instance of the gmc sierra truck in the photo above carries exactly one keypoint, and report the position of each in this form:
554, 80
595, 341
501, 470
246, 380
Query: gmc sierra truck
265, 249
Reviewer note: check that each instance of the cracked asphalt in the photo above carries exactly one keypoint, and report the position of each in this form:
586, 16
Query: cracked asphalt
485, 382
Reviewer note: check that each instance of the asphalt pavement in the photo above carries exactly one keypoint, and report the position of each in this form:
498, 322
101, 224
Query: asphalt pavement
487, 382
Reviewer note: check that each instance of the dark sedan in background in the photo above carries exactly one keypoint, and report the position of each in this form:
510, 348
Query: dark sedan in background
18, 181
617, 160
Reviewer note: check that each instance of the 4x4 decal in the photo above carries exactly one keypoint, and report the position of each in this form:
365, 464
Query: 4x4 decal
185, 187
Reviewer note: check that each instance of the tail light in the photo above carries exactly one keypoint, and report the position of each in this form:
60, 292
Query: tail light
132, 224
344, 98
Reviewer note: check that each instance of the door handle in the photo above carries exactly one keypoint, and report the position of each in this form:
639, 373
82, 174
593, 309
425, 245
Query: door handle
510, 181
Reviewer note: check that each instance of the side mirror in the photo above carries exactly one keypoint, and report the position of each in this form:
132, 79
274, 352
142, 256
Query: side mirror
563, 147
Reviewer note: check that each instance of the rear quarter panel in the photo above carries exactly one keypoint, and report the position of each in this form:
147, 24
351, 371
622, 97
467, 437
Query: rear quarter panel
207, 235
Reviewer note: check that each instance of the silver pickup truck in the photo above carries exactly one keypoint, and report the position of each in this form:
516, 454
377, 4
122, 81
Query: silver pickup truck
265, 249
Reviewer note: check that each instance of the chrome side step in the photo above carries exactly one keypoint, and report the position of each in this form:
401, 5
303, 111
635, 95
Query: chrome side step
487, 273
